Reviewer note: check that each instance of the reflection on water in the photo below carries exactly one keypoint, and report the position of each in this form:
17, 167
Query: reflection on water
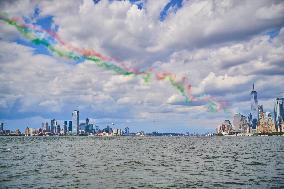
141, 162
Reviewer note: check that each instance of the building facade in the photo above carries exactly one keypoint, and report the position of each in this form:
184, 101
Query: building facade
279, 114
254, 108
75, 120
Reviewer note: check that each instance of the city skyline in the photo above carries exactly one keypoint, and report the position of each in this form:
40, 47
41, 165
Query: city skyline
254, 122
170, 65
257, 122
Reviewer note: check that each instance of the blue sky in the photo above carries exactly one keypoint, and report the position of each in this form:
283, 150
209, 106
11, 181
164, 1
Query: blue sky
221, 47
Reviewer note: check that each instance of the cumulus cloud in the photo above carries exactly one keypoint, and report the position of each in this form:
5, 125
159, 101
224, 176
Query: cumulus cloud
222, 47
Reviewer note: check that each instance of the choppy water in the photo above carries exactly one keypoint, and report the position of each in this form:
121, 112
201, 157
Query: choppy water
141, 162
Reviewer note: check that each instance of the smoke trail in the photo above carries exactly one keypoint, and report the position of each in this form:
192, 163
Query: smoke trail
59, 47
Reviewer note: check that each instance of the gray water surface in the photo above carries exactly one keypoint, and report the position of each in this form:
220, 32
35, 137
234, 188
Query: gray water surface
142, 162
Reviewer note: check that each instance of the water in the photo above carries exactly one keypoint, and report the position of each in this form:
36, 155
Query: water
141, 162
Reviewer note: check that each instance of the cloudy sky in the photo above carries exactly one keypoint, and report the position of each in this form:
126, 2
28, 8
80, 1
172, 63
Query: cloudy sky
221, 47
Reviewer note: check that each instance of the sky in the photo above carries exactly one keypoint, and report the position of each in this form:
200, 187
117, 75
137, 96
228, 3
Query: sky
215, 49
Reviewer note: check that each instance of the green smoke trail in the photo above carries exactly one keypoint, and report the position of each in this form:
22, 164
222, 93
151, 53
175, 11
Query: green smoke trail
31, 34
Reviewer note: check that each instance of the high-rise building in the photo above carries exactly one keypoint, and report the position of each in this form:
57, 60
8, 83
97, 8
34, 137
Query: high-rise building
58, 129
254, 108
270, 123
47, 127
52, 125
240, 123
1, 127
75, 119
65, 127
279, 113
126, 131
70, 126
225, 128
87, 125
261, 124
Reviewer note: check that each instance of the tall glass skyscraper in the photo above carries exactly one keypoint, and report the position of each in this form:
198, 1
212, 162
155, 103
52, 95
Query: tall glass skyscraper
254, 107
70, 126
279, 113
52, 125
75, 120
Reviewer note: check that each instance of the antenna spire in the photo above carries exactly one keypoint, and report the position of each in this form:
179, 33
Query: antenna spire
253, 86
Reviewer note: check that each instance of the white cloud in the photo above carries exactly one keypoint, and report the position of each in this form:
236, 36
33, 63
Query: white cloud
221, 47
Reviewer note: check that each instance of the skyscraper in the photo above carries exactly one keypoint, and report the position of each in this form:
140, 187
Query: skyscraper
75, 119
46, 127
279, 113
52, 125
254, 107
70, 126
1, 126
65, 128
87, 126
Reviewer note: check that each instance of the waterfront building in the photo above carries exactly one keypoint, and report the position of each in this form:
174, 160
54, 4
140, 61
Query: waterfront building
52, 125
87, 126
58, 129
75, 120
116, 132
87, 121
240, 124
126, 131
70, 126
261, 125
1, 127
279, 114
65, 129
47, 127
270, 123
254, 108
27, 132
18, 132
225, 128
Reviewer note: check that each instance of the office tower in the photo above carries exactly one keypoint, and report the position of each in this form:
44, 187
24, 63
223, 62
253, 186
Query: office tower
75, 119
54, 128
1, 126
27, 131
47, 127
237, 122
70, 126
261, 124
65, 127
126, 131
87, 126
58, 129
270, 123
254, 107
225, 128
279, 114
52, 125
